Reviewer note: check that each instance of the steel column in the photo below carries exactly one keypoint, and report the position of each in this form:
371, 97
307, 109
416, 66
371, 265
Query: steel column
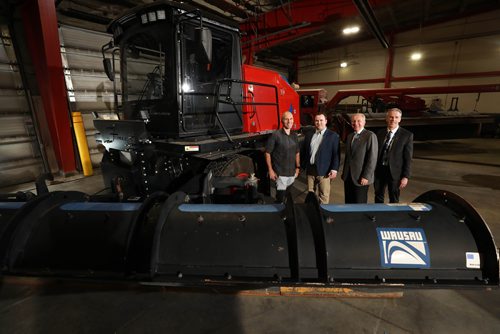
42, 39
390, 63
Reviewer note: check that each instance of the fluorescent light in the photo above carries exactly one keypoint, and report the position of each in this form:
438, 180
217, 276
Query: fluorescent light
343, 64
416, 56
351, 30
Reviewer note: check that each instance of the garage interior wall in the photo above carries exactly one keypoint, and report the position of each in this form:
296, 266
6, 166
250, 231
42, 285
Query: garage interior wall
20, 158
462, 47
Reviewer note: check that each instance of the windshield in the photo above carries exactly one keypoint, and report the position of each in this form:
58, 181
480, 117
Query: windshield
144, 66
199, 78
167, 77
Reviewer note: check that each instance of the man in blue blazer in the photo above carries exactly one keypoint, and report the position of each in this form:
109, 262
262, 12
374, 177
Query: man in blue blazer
321, 158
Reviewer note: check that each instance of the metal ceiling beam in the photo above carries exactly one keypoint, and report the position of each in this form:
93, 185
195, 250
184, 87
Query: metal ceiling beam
251, 8
271, 40
366, 12
206, 7
314, 11
260, 32
228, 7
268, 36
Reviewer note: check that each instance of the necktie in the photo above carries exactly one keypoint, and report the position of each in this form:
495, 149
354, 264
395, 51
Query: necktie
354, 139
385, 149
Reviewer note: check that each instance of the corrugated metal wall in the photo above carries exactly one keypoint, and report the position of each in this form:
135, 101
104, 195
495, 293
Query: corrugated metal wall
20, 158
89, 88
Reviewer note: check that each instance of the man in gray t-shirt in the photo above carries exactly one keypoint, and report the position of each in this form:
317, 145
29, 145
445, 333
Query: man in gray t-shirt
282, 156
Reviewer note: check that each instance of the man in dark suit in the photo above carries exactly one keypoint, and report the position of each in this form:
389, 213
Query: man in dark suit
394, 158
360, 160
321, 158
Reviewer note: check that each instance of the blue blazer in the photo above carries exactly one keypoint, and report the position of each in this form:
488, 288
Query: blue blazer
328, 155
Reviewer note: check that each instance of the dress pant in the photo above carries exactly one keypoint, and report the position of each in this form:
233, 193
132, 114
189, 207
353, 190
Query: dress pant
354, 193
383, 180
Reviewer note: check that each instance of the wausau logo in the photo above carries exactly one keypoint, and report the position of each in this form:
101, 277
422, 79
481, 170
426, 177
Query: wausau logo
403, 248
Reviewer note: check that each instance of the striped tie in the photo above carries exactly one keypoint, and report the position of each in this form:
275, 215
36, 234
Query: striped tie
385, 149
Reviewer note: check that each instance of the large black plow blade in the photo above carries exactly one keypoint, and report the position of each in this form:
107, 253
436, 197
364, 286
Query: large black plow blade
438, 240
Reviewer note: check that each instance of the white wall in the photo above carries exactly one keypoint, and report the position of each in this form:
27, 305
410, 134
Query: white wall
469, 45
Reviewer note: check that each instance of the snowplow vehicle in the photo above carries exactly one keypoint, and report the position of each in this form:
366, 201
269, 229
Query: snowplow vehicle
188, 204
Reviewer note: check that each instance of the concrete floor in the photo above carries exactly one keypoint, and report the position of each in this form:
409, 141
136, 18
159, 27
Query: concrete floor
469, 168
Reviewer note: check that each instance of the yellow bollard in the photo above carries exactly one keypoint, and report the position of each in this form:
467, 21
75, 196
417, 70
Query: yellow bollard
81, 141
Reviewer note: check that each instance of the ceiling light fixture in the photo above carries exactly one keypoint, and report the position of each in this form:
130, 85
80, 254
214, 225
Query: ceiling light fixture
416, 56
351, 30
343, 64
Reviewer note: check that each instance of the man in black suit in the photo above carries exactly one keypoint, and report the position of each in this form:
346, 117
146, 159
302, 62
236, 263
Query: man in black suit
360, 160
321, 158
394, 158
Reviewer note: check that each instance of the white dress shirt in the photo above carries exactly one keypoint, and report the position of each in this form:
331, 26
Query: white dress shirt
315, 142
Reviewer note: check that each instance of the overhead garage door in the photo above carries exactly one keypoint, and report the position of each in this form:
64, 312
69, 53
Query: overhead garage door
89, 88
20, 158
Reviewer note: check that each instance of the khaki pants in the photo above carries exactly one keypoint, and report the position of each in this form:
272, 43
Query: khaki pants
322, 185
